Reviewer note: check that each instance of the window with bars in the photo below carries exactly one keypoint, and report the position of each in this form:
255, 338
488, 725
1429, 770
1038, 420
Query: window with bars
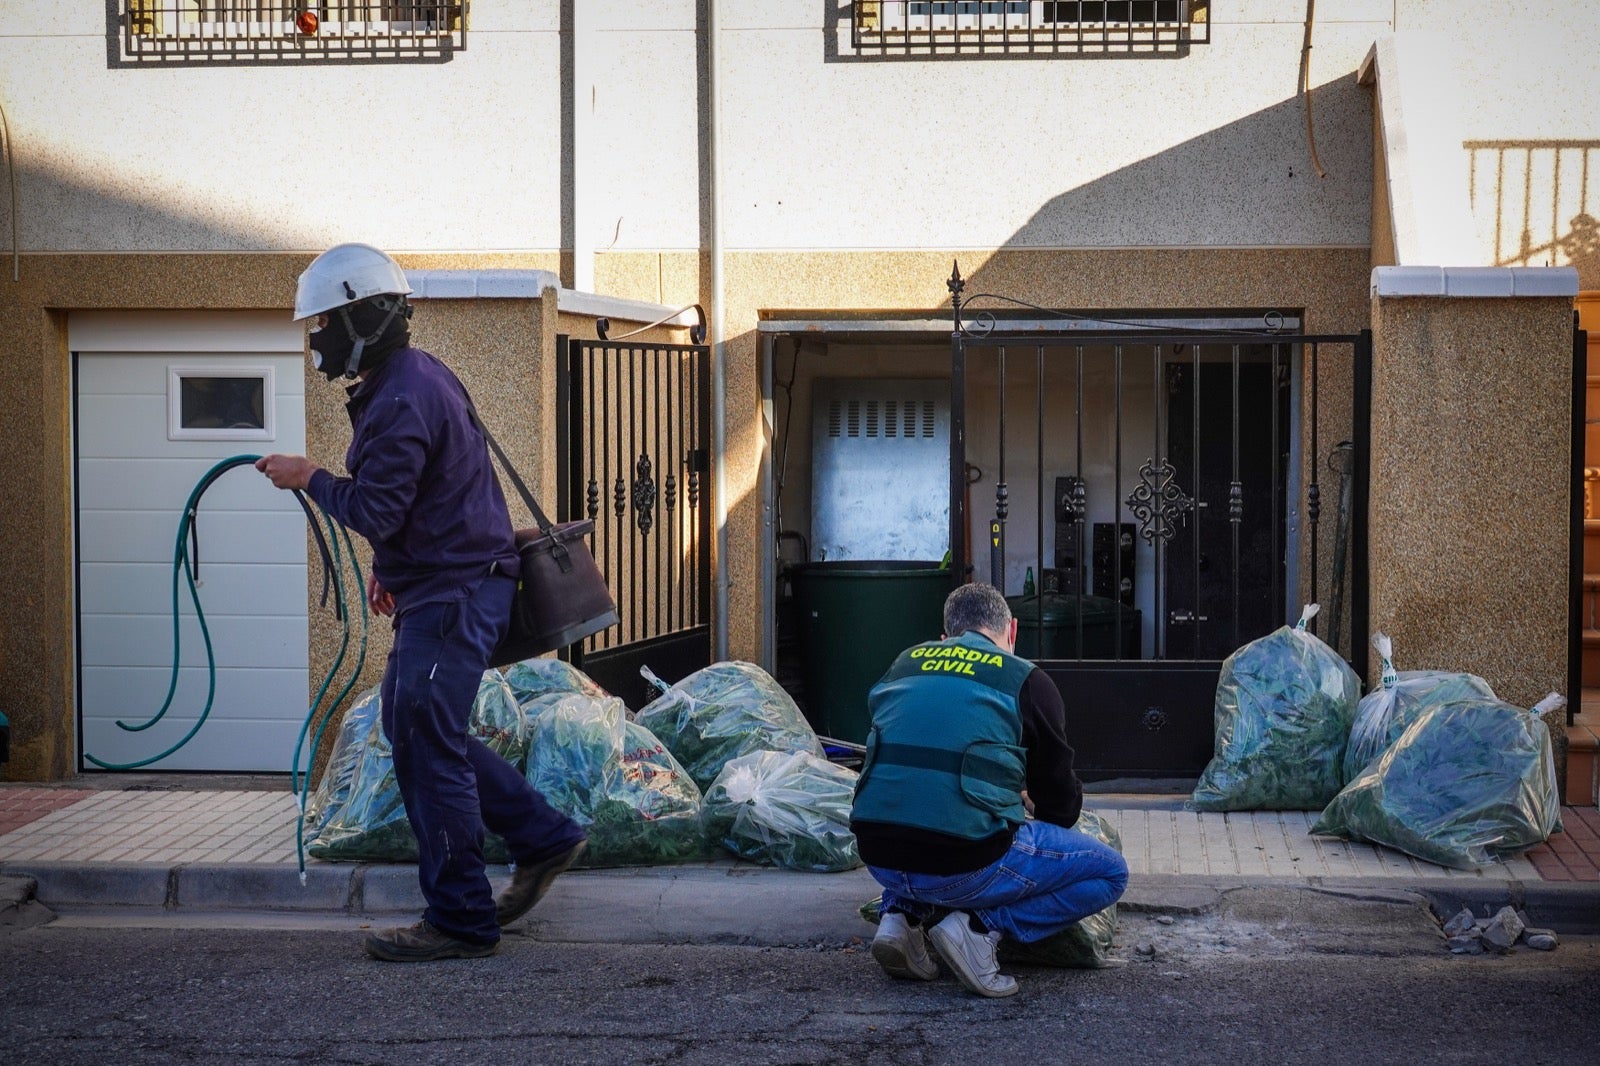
282, 29
927, 28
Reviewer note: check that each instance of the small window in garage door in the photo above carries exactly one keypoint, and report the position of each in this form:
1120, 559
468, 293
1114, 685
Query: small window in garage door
159, 399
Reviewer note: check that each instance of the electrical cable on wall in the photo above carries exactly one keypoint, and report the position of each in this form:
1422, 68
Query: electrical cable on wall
1305, 87
11, 174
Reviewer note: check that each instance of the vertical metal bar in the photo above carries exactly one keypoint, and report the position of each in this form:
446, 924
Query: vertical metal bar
1313, 490
670, 460
1275, 603
1580, 379
1236, 492
1360, 505
1038, 554
958, 457
1158, 584
997, 528
1079, 497
631, 527
1194, 491
657, 474
1116, 507
706, 532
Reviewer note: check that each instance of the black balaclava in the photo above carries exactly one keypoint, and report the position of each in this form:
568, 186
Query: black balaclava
360, 336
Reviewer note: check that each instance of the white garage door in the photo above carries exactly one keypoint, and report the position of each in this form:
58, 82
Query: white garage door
160, 399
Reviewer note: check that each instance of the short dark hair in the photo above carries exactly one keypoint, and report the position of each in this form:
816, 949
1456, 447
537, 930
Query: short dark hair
975, 606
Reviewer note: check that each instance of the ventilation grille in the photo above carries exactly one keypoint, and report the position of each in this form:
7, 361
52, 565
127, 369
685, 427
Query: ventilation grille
882, 418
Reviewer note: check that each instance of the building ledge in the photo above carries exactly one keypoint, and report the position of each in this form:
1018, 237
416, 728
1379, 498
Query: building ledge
1475, 282
530, 285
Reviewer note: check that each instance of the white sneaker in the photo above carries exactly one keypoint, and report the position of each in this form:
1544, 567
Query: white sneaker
902, 951
972, 956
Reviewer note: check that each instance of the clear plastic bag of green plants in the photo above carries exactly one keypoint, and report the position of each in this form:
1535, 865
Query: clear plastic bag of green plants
1084, 945
1470, 782
784, 808
344, 761
726, 710
366, 819
1283, 712
1400, 698
639, 806
498, 719
541, 677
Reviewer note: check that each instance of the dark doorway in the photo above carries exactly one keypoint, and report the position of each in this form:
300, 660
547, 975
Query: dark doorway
1223, 420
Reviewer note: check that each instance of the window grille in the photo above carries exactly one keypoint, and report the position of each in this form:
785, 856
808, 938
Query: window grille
933, 28
284, 30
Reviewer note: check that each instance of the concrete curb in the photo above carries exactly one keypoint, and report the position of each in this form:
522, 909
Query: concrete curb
718, 902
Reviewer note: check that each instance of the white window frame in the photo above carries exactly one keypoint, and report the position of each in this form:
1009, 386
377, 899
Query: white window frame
176, 430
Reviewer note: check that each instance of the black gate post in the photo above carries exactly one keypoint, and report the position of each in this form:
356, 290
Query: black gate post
1361, 430
958, 434
1575, 593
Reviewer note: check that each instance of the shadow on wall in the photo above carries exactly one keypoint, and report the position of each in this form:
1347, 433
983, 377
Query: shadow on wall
119, 213
1539, 201
1248, 184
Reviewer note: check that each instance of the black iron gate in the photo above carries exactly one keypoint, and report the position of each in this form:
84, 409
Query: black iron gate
1180, 494
633, 422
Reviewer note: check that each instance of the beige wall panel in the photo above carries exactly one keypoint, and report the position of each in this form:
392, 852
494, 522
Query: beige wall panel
1469, 548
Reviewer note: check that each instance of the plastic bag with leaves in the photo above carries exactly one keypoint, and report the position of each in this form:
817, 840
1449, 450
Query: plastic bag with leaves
1470, 782
1084, 945
1282, 715
541, 677
639, 806
1400, 699
361, 816
726, 710
789, 809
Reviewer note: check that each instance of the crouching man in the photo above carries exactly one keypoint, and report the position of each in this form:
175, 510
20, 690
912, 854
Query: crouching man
967, 740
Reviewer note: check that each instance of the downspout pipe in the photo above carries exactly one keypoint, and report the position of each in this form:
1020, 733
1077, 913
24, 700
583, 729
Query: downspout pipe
719, 332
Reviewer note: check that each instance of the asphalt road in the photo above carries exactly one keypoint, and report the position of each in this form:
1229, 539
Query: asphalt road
1264, 981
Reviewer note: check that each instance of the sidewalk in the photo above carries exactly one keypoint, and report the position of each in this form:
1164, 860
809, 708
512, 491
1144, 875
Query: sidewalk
179, 848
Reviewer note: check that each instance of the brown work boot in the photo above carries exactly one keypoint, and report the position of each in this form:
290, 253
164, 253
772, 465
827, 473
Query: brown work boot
531, 881
423, 943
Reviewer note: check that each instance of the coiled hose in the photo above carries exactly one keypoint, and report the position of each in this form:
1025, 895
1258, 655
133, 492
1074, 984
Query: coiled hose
186, 561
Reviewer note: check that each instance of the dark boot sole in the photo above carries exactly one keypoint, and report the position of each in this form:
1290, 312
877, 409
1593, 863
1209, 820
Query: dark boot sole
545, 873
387, 952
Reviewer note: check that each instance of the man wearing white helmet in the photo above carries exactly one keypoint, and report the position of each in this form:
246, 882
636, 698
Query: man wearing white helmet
422, 490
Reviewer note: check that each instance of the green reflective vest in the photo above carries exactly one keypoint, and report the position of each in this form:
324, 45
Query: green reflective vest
945, 749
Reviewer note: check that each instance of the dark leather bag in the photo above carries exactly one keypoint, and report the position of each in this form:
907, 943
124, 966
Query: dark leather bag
561, 593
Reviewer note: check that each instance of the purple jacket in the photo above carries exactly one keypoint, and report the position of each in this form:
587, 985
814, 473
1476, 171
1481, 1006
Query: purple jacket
422, 488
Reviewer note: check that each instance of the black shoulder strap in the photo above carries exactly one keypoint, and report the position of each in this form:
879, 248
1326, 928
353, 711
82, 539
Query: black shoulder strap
539, 517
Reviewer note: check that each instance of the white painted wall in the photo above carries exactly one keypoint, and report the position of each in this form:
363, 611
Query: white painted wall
465, 155
132, 482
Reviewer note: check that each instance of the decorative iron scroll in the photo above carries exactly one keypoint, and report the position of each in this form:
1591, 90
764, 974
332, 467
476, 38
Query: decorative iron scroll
644, 494
1235, 502
619, 497
591, 499
1158, 502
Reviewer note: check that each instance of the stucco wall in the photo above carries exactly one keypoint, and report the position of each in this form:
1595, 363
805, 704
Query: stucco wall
37, 653
1469, 547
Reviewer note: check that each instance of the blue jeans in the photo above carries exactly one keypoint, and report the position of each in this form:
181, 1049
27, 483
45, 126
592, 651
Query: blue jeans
1050, 878
453, 784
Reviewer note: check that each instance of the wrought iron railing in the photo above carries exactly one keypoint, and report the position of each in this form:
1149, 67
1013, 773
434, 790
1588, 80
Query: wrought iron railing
933, 28
285, 30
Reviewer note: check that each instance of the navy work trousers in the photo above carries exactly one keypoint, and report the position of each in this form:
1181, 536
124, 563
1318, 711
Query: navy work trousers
453, 785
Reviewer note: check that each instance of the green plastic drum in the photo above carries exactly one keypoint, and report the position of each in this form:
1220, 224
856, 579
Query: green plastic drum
855, 617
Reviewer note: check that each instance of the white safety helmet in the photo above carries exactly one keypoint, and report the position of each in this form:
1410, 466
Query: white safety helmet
344, 274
